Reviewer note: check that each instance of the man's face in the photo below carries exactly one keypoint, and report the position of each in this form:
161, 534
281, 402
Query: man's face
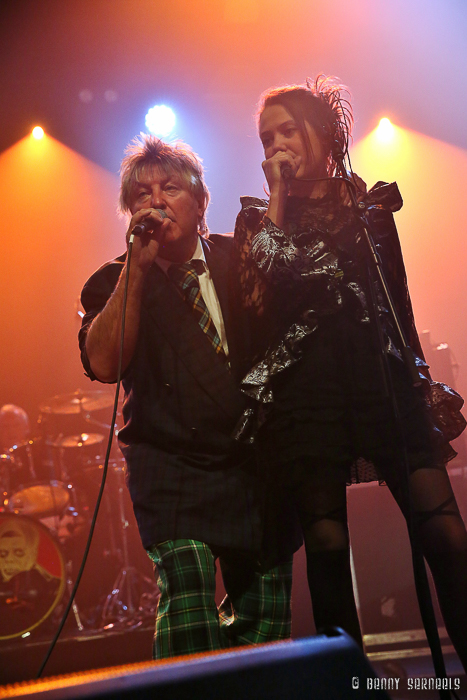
170, 193
13, 557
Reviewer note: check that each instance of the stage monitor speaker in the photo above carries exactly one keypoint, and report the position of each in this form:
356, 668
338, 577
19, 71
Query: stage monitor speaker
325, 667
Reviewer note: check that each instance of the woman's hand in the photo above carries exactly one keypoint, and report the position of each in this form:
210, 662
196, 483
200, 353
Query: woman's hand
279, 169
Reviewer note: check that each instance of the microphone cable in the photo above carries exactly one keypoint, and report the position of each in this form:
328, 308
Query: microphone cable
104, 473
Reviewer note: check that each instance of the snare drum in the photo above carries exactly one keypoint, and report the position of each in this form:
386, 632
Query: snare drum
40, 499
32, 574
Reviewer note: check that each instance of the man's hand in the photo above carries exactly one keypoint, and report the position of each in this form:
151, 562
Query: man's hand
103, 339
146, 246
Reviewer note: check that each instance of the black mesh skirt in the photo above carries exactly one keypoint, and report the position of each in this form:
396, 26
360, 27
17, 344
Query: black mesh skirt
332, 407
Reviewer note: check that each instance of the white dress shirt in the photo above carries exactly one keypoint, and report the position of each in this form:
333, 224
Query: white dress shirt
208, 292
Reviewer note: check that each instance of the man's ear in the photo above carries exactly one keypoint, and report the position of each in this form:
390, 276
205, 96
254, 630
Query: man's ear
201, 208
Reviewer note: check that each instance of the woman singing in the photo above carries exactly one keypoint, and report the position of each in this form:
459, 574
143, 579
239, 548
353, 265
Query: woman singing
320, 413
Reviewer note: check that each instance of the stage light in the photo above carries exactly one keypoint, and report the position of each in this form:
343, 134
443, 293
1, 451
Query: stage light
86, 96
110, 95
385, 130
160, 120
38, 132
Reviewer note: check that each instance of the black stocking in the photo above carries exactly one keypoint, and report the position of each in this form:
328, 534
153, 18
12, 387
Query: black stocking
330, 583
320, 496
443, 539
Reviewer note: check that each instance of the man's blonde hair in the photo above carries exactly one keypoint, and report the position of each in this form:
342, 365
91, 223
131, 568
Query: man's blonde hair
147, 152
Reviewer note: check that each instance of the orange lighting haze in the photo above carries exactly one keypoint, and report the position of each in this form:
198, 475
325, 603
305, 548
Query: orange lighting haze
432, 226
69, 228
54, 237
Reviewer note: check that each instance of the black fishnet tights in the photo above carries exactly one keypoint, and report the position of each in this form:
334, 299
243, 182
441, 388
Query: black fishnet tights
320, 496
443, 539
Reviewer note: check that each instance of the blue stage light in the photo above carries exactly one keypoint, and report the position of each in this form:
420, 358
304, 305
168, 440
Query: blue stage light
160, 120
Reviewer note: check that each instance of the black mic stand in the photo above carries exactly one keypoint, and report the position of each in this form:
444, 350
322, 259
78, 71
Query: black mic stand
375, 273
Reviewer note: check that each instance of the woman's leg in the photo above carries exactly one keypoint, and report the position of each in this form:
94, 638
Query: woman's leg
320, 496
443, 539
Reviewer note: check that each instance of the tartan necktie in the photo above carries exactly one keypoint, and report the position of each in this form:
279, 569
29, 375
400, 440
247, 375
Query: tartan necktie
185, 277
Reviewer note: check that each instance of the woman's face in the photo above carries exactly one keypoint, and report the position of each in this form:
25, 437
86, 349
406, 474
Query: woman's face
279, 131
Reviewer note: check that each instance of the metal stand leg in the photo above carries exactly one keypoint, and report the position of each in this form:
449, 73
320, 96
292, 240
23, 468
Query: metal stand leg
134, 596
69, 584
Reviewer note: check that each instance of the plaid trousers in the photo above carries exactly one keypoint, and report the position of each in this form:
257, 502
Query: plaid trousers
255, 610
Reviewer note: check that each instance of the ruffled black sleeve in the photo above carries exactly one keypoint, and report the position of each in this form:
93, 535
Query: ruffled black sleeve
253, 283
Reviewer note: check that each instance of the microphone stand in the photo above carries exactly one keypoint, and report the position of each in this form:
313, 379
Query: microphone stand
375, 273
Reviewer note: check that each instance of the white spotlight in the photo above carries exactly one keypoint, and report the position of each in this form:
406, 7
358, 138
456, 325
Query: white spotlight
385, 130
38, 132
160, 120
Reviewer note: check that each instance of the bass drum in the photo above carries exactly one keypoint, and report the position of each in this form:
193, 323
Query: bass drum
32, 574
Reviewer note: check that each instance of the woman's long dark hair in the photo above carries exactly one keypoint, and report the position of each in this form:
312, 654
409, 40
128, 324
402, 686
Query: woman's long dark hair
321, 104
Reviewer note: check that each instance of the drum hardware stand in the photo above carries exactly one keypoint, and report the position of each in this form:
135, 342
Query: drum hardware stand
74, 606
112, 548
115, 452
5, 461
126, 606
92, 421
87, 417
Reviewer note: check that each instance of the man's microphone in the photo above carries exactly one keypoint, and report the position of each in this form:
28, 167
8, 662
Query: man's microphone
146, 226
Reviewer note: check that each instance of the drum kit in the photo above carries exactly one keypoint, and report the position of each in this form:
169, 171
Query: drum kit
48, 489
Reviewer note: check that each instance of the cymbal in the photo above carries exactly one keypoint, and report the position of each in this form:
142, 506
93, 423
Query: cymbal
82, 440
78, 402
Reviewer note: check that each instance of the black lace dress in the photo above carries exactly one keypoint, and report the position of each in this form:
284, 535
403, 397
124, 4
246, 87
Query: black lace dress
316, 387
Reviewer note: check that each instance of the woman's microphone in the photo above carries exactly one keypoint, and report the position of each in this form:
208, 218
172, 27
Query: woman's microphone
287, 172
